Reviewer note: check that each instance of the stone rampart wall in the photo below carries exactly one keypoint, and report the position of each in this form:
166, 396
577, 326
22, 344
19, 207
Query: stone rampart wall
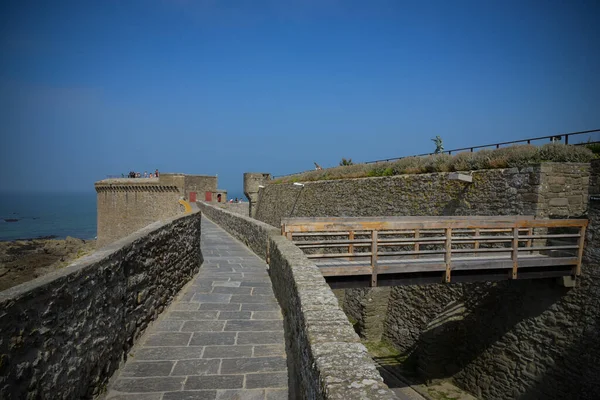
325, 357
64, 334
563, 190
524, 339
500, 341
527, 191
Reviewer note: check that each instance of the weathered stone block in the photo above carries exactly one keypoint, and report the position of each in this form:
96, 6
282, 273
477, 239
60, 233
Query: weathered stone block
154, 384
575, 200
169, 339
186, 395
251, 365
270, 337
214, 382
268, 380
558, 202
557, 180
141, 369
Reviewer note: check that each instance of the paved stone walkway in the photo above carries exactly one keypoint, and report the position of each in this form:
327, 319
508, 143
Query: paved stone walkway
221, 339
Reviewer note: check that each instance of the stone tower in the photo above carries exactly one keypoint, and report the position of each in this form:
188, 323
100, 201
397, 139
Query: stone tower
252, 181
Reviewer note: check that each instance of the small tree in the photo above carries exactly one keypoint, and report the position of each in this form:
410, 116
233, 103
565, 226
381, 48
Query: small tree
345, 162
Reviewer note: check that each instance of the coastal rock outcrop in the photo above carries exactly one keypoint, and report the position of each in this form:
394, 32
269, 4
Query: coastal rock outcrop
24, 260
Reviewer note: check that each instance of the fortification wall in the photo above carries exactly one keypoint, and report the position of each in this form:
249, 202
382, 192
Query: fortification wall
64, 334
252, 185
523, 339
534, 190
200, 184
125, 208
563, 190
177, 180
325, 357
126, 205
496, 340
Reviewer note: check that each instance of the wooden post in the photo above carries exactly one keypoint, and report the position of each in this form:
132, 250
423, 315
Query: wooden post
288, 235
351, 245
448, 254
373, 258
476, 246
417, 236
529, 241
580, 243
515, 252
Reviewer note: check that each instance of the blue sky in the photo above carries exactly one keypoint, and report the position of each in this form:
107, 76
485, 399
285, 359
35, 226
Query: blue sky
96, 88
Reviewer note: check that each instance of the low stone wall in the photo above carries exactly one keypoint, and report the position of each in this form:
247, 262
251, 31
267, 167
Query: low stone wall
252, 233
64, 334
325, 357
236, 208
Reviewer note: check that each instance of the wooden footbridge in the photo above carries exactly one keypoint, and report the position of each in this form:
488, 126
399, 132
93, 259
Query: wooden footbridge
387, 251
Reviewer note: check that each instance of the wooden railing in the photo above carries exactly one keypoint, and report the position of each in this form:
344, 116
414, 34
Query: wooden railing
396, 245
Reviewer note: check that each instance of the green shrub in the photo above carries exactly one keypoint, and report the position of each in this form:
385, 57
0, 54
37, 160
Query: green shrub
375, 172
521, 156
594, 147
561, 153
463, 161
405, 165
437, 163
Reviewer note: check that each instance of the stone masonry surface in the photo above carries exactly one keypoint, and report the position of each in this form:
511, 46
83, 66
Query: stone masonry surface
64, 334
126, 205
499, 341
122, 212
523, 339
325, 357
221, 339
509, 191
236, 208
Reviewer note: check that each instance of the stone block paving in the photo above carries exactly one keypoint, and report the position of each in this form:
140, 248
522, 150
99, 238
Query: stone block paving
222, 339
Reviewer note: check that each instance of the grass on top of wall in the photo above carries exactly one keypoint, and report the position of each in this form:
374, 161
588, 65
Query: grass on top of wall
506, 157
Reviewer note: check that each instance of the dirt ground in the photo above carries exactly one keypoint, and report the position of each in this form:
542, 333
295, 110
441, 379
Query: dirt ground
24, 260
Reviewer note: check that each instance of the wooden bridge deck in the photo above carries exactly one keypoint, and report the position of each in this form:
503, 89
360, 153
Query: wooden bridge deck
354, 252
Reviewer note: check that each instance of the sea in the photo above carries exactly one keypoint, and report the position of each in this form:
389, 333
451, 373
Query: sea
56, 215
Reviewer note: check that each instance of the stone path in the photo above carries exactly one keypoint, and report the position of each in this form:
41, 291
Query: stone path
221, 339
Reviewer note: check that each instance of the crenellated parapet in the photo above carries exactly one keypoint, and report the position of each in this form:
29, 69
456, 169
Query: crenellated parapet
136, 188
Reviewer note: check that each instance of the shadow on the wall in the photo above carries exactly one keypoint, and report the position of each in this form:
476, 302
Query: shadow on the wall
452, 207
464, 330
575, 374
